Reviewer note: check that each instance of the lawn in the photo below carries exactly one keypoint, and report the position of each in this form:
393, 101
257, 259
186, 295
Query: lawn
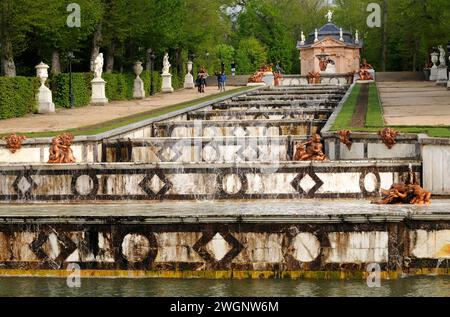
374, 117
117, 123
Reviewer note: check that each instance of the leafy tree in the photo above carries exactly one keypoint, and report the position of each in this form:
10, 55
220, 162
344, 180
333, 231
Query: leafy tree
251, 55
264, 21
225, 54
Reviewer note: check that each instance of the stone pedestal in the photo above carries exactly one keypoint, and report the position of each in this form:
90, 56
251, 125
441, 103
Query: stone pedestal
98, 92
44, 97
166, 83
45, 100
442, 77
256, 84
433, 74
269, 79
138, 89
189, 81
448, 83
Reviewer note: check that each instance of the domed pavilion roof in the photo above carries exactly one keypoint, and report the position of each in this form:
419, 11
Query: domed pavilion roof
330, 30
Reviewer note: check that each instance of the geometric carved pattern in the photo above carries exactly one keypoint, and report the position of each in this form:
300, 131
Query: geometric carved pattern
296, 183
23, 185
93, 190
146, 185
362, 185
235, 247
66, 245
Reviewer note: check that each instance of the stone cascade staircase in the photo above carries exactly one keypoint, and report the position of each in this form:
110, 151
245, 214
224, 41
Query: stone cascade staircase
260, 126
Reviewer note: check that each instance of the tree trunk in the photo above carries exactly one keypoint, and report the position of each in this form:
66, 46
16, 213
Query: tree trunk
384, 40
148, 64
96, 42
110, 58
56, 63
8, 68
179, 60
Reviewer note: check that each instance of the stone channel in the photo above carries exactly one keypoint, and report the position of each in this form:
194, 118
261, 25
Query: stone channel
213, 191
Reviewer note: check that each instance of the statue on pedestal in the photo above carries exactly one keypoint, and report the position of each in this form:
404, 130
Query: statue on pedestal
303, 39
329, 16
166, 64
311, 150
364, 73
442, 56
98, 96
98, 66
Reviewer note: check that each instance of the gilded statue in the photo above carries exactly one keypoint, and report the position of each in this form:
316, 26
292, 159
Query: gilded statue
311, 150
388, 136
364, 73
14, 142
60, 151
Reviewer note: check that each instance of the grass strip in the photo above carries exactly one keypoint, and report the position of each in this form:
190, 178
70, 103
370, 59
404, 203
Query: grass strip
374, 117
121, 122
344, 118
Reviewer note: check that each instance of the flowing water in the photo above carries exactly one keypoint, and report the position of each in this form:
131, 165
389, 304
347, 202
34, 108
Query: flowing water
409, 286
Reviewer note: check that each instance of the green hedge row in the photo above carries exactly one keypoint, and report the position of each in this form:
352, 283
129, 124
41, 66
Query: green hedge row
81, 89
119, 86
17, 96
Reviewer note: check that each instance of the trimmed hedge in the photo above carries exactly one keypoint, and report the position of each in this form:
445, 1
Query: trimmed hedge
81, 89
17, 96
119, 86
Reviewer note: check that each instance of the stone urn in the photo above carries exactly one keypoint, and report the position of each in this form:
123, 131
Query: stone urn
138, 89
434, 59
42, 72
138, 69
44, 97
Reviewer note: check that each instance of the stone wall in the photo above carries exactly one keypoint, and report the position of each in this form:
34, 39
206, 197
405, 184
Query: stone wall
329, 79
369, 146
436, 164
85, 149
175, 181
138, 246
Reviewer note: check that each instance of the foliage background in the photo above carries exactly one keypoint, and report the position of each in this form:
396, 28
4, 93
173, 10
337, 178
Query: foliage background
249, 32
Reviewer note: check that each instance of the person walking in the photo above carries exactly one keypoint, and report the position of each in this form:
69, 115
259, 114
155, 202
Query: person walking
222, 80
201, 80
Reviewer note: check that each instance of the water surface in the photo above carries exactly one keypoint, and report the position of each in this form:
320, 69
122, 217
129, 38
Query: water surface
410, 286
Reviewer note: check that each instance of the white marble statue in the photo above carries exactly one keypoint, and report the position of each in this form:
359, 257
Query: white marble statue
98, 66
442, 56
341, 35
329, 16
316, 36
356, 37
166, 64
303, 38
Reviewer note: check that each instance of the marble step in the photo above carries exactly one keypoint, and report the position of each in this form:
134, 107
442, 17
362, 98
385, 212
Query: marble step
297, 92
333, 97
263, 127
279, 104
203, 149
249, 114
